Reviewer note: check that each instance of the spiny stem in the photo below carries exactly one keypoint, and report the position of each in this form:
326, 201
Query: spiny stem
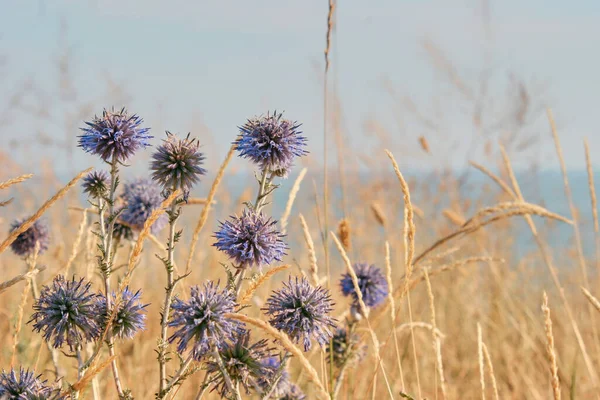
162, 360
233, 389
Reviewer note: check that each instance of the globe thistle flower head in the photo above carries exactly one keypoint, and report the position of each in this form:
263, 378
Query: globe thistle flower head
96, 184
22, 385
115, 135
130, 318
242, 362
142, 196
67, 311
251, 239
272, 142
346, 348
301, 311
177, 163
36, 238
271, 366
372, 284
200, 322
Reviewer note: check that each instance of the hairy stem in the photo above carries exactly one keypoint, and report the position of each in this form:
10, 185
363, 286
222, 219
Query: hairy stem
164, 324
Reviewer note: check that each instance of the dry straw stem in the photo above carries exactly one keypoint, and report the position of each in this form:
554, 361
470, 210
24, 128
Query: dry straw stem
453, 217
26, 276
91, 373
392, 305
553, 273
14, 181
247, 296
551, 349
77, 242
593, 301
207, 207
312, 255
511, 206
290, 203
19, 321
363, 308
437, 343
378, 214
590, 173
495, 178
31, 220
481, 360
490, 365
287, 344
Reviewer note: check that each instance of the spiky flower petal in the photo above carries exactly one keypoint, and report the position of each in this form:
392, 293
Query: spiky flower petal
142, 196
38, 235
130, 317
201, 321
251, 240
301, 311
372, 284
177, 163
67, 311
23, 385
96, 184
115, 135
272, 142
242, 362
347, 348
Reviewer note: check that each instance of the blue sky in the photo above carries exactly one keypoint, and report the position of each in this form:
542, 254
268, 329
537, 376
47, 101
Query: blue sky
207, 66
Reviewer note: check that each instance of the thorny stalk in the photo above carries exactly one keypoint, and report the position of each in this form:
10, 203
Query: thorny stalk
278, 374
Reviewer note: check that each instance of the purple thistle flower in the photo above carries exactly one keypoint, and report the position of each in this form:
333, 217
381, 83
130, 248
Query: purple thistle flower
301, 311
242, 362
272, 142
346, 347
129, 318
177, 163
372, 284
38, 234
67, 310
116, 134
22, 386
251, 240
201, 320
96, 184
283, 387
142, 196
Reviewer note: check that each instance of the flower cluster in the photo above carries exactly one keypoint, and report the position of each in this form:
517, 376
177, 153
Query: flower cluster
37, 236
271, 142
130, 316
345, 348
242, 362
96, 184
142, 196
201, 321
177, 163
302, 311
284, 389
67, 311
116, 135
371, 281
24, 385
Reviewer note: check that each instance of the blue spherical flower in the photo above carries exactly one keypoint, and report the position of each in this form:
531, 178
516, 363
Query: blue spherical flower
142, 196
38, 235
116, 135
201, 321
284, 385
177, 163
301, 311
372, 284
23, 385
346, 348
272, 142
251, 240
96, 184
67, 311
242, 362
130, 316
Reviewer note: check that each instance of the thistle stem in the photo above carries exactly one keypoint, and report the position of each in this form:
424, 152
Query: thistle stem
162, 347
278, 374
203, 387
233, 389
